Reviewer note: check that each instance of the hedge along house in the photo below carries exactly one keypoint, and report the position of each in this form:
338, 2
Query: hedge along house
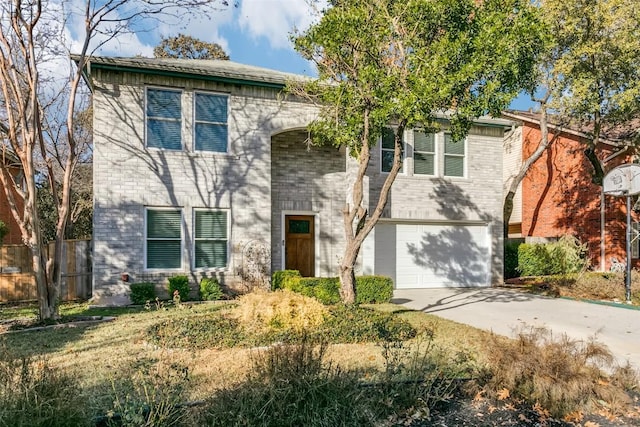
203, 168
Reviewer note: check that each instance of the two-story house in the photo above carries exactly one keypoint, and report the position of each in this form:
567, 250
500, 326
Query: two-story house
204, 168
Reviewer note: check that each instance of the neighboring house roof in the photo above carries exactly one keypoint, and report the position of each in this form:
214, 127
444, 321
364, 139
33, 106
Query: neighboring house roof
214, 69
621, 135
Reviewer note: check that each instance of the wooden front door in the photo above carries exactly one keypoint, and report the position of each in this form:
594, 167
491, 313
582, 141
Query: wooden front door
300, 244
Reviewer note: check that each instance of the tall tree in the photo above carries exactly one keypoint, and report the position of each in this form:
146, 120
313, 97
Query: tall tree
590, 77
402, 64
597, 70
39, 116
187, 47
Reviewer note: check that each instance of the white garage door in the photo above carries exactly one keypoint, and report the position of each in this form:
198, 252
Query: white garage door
433, 255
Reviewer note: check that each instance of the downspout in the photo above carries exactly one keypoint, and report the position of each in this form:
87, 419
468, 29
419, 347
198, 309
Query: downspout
603, 262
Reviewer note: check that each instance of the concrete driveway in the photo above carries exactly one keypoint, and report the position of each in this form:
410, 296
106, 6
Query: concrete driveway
504, 310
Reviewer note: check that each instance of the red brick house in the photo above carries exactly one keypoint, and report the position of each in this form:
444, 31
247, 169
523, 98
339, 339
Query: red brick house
14, 236
558, 197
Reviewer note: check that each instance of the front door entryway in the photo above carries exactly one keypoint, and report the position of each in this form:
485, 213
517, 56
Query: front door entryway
300, 244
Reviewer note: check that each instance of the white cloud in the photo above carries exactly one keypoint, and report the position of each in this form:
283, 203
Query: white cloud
275, 19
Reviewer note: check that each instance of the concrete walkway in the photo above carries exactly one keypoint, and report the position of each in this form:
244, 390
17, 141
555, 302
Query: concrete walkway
505, 310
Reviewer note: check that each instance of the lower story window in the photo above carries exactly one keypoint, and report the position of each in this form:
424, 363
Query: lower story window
164, 238
211, 238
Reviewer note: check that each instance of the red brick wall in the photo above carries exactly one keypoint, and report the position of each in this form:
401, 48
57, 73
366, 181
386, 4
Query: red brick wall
14, 237
558, 197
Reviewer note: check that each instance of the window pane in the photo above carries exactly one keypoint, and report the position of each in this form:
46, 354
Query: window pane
423, 141
211, 137
211, 225
211, 254
211, 108
163, 103
164, 224
454, 166
423, 164
297, 226
163, 254
453, 147
387, 160
388, 138
164, 134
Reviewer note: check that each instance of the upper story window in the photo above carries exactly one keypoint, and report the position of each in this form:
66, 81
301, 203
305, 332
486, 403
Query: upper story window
210, 122
211, 238
387, 149
164, 119
454, 155
424, 153
164, 238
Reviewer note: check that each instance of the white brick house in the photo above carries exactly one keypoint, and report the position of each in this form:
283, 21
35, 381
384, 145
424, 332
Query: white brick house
201, 168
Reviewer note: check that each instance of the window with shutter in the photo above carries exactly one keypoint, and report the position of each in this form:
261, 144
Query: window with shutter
424, 153
211, 129
164, 238
211, 238
454, 156
164, 119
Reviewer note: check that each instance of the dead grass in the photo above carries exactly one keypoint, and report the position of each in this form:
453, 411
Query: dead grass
105, 357
596, 286
557, 373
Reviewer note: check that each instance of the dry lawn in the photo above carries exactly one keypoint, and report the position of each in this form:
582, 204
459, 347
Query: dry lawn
105, 355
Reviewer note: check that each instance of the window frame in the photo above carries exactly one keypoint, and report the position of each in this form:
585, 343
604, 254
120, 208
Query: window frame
147, 238
196, 121
382, 150
227, 233
445, 155
434, 153
179, 120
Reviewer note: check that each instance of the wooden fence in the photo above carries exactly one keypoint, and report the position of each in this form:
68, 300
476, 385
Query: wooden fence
16, 273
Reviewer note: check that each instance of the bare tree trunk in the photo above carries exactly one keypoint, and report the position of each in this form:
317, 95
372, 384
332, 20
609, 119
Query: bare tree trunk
544, 143
355, 214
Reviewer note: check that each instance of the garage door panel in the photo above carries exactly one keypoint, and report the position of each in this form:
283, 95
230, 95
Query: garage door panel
436, 255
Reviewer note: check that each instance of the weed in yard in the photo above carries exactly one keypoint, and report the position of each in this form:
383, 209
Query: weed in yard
289, 385
420, 375
32, 393
154, 396
559, 374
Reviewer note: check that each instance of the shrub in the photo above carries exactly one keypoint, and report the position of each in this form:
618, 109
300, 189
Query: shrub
565, 256
533, 259
369, 289
282, 310
352, 324
558, 373
142, 292
511, 259
374, 289
210, 289
180, 284
278, 278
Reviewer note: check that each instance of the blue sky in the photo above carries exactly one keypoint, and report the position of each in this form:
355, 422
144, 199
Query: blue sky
255, 33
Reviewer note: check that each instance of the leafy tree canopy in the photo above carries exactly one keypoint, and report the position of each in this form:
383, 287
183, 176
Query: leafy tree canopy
413, 60
187, 47
595, 61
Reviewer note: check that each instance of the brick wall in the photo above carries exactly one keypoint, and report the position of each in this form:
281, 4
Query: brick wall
560, 198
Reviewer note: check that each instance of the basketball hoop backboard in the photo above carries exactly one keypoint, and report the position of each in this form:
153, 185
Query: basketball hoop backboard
623, 180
